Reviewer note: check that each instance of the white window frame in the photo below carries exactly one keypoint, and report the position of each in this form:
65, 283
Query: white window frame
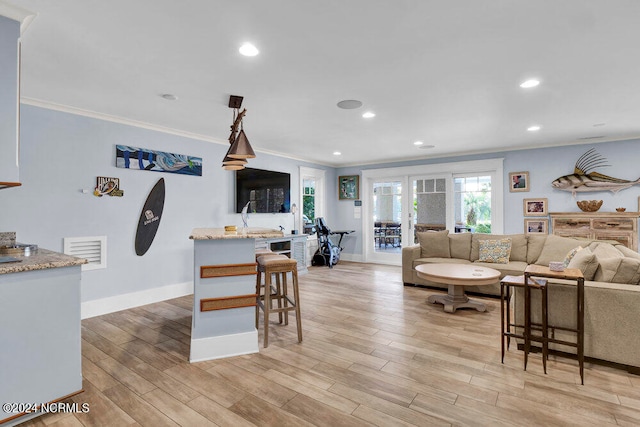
320, 196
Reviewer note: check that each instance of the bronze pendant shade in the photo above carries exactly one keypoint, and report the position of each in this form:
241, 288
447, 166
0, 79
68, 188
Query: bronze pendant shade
241, 148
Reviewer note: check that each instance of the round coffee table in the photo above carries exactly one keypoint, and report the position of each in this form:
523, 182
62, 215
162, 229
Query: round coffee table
456, 276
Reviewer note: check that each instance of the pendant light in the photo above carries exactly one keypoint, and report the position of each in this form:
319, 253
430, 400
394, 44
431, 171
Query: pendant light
240, 149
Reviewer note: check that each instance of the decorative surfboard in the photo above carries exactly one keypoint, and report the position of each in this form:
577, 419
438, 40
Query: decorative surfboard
150, 218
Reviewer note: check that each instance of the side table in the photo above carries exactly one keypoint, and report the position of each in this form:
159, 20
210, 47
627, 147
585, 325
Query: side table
506, 284
567, 274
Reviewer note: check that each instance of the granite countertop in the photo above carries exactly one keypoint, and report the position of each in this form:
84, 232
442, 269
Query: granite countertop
41, 260
246, 233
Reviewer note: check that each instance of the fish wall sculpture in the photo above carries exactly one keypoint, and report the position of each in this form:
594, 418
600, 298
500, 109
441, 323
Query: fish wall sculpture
584, 179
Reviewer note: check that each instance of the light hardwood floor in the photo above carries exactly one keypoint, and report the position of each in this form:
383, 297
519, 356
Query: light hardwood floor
374, 353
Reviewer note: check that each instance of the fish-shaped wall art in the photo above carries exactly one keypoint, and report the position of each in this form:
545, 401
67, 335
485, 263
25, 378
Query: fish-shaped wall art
584, 178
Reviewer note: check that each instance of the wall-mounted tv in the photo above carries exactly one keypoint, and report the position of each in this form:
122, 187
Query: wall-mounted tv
268, 191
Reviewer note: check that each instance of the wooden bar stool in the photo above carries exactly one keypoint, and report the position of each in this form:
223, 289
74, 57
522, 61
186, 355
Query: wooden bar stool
279, 266
506, 284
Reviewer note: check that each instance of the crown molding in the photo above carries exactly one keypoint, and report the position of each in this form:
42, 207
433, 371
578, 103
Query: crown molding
129, 122
116, 119
23, 16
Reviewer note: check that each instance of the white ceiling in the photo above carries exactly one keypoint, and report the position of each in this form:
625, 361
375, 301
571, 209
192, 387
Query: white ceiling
446, 72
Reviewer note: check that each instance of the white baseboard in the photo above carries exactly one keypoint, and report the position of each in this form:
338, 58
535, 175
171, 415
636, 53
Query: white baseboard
223, 346
352, 257
134, 299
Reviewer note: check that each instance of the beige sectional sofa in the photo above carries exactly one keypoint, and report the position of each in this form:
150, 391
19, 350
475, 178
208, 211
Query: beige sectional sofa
612, 290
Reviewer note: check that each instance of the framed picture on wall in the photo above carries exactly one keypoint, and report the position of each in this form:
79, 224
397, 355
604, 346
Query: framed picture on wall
536, 226
535, 207
518, 181
349, 187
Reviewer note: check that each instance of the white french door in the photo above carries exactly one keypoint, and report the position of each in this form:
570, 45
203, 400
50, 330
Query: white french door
385, 219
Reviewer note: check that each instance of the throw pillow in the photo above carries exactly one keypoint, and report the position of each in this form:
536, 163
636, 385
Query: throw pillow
496, 251
585, 261
628, 272
555, 248
434, 244
570, 255
607, 269
460, 245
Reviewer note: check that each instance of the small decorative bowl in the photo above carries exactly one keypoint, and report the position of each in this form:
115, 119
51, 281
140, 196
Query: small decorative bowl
621, 209
589, 205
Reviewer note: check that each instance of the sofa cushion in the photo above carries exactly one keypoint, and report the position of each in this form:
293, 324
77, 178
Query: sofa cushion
495, 251
534, 247
434, 244
614, 266
518, 245
460, 245
627, 272
605, 250
627, 252
556, 248
585, 261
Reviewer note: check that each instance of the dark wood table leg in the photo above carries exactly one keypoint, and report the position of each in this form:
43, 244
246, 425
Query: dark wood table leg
527, 320
580, 339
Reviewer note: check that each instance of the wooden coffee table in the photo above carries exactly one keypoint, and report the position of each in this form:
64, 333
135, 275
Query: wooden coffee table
456, 276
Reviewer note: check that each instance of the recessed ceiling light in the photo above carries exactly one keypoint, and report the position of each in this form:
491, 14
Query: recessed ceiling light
529, 83
533, 128
426, 147
418, 143
247, 49
349, 104
169, 96
368, 115
337, 153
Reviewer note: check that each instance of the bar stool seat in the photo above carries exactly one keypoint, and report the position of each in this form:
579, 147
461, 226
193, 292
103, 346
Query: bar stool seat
506, 284
264, 251
278, 266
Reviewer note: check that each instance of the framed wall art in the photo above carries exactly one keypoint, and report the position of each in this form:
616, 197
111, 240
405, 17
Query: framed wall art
158, 161
536, 226
349, 187
518, 181
535, 207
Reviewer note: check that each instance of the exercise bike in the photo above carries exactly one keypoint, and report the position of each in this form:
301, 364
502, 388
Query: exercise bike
328, 253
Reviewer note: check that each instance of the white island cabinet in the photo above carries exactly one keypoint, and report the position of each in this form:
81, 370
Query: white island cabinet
224, 292
40, 358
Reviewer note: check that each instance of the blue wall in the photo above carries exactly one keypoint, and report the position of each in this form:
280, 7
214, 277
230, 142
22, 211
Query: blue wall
544, 165
62, 153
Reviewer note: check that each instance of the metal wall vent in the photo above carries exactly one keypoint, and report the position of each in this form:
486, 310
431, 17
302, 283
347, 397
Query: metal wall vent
93, 249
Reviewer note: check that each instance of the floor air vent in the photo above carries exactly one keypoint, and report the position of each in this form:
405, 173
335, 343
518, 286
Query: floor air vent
93, 249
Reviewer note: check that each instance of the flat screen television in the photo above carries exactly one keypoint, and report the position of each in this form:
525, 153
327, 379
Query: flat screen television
268, 191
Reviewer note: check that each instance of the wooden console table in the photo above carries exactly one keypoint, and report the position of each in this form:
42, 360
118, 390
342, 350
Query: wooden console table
620, 226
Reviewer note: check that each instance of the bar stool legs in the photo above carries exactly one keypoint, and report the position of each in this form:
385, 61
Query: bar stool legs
280, 267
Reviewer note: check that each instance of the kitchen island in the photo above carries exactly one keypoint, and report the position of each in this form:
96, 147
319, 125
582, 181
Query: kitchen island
40, 358
224, 292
